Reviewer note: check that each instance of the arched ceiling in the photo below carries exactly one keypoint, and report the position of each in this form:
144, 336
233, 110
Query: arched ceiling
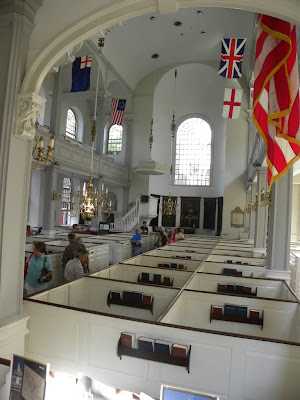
129, 47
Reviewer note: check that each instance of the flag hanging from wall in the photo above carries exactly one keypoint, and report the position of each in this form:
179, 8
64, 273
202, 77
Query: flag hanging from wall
232, 103
117, 111
81, 71
232, 52
276, 110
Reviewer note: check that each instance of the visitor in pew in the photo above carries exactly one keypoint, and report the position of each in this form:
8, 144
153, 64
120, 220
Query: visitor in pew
179, 235
70, 250
74, 268
28, 231
75, 228
39, 231
144, 228
86, 265
33, 280
170, 238
161, 239
136, 243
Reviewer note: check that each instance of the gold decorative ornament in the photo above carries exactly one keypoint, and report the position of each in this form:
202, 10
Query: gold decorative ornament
39, 161
169, 207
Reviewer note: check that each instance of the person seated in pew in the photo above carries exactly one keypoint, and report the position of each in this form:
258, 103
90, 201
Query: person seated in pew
74, 268
170, 238
86, 265
75, 228
161, 239
179, 235
39, 231
28, 231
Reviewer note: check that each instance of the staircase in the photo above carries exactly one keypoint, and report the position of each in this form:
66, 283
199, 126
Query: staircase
129, 220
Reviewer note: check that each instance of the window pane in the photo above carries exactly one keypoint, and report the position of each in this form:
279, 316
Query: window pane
115, 134
71, 125
193, 153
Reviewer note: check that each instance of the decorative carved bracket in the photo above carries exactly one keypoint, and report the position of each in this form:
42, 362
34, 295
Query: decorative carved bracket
29, 108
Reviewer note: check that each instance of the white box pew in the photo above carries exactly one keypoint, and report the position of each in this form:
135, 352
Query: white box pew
174, 247
242, 246
148, 241
98, 289
281, 318
198, 244
256, 271
120, 249
226, 365
270, 288
230, 252
153, 261
127, 272
251, 260
162, 252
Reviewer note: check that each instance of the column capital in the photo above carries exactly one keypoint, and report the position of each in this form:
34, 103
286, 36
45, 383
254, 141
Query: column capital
262, 170
29, 108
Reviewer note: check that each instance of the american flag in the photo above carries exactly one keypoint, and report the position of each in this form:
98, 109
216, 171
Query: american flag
117, 111
232, 53
232, 103
276, 109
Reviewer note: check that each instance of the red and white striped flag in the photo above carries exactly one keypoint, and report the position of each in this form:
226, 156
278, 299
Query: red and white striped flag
232, 103
117, 111
276, 110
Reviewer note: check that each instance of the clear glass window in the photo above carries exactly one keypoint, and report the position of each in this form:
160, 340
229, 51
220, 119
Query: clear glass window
71, 125
193, 153
115, 136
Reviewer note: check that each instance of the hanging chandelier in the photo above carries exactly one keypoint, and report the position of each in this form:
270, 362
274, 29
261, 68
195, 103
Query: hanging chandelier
91, 202
169, 207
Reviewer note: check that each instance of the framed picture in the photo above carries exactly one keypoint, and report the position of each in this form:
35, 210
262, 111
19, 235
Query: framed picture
173, 393
237, 218
190, 212
28, 379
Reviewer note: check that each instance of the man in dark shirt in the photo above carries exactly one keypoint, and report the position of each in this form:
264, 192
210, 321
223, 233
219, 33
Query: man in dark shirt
144, 228
71, 250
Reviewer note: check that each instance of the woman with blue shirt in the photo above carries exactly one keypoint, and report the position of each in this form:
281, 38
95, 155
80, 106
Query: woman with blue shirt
33, 280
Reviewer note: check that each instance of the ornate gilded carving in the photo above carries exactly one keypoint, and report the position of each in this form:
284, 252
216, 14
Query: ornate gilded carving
29, 108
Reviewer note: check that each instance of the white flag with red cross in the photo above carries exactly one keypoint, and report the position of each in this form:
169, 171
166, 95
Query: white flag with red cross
232, 103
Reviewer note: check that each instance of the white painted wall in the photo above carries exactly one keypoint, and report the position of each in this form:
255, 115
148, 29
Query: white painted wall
235, 168
199, 92
295, 231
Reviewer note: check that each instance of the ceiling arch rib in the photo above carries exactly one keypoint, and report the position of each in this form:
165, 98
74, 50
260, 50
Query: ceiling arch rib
125, 9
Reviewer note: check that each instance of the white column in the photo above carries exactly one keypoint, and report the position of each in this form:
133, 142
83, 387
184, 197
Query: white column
16, 25
261, 218
56, 102
159, 223
252, 213
278, 249
247, 215
75, 183
51, 206
177, 219
36, 198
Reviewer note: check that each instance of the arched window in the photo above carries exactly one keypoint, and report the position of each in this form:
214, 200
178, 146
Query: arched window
71, 125
114, 143
193, 153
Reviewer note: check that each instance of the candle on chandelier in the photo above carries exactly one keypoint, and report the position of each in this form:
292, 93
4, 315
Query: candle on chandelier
41, 142
102, 187
52, 140
106, 190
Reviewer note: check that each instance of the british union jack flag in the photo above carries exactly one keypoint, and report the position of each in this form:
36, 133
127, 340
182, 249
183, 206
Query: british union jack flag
231, 57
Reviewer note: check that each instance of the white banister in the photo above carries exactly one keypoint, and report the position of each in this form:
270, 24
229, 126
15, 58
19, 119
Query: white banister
129, 220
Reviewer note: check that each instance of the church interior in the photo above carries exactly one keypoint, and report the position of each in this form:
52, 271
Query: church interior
222, 304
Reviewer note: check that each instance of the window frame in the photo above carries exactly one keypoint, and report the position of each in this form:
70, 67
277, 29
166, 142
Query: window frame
69, 135
178, 123
109, 153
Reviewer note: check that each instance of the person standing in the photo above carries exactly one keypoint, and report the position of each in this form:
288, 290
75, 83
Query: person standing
144, 228
33, 280
136, 243
70, 250
74, 268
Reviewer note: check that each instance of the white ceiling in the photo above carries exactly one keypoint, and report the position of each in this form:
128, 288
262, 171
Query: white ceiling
129, 47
